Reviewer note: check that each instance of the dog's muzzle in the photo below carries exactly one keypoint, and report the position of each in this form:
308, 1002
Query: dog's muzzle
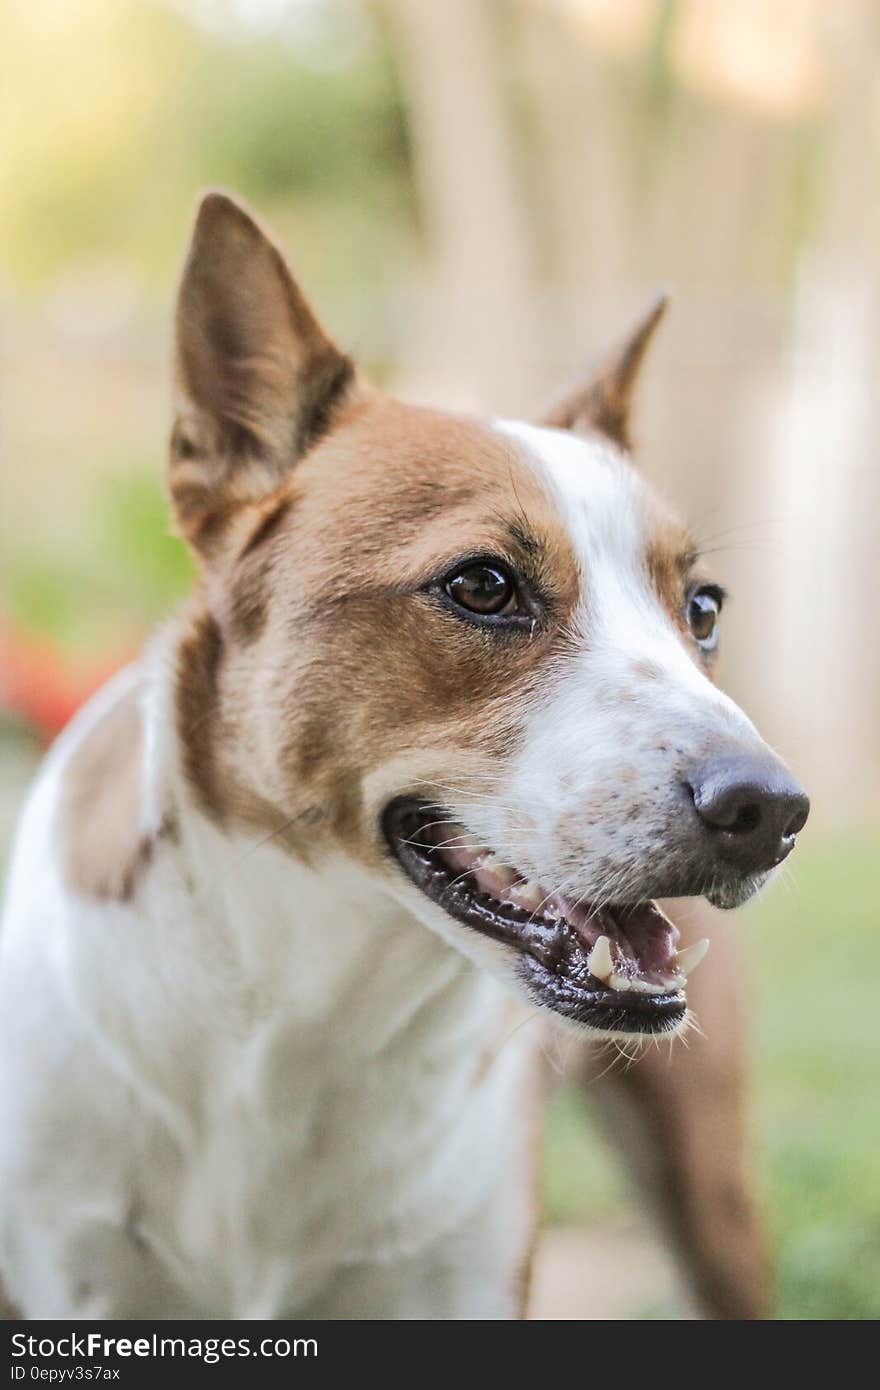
612, 965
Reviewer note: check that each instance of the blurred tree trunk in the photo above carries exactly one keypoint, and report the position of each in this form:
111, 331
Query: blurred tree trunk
579, 173
828, 673
471, 338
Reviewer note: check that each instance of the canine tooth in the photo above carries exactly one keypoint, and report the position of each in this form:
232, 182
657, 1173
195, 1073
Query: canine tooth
688, 959
599, 962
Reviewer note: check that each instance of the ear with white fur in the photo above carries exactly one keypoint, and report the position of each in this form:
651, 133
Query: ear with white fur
256, 378
604, 401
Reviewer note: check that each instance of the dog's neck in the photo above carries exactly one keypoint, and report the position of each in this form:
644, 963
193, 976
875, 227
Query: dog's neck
322, 945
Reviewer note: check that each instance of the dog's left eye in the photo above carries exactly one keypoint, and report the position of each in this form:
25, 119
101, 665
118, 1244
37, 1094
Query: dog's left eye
703, 609
484, 589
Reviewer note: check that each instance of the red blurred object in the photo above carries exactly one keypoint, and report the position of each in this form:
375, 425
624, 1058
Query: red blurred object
44, 685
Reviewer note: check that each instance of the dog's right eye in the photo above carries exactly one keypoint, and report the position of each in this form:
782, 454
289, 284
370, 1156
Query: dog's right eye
484, 589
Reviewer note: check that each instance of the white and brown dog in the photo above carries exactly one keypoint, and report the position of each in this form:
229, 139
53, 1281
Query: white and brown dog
432, 736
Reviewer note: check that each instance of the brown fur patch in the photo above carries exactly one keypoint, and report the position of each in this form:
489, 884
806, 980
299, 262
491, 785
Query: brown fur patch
103, 845
250, 584
383, 664
249, 604
198, 664
674, 568
669, 559
337, 653
270, 521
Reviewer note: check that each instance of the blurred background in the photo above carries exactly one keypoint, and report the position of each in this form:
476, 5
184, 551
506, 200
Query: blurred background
479, 197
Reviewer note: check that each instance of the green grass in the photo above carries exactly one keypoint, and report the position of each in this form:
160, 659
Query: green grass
817, 1068
816, 1045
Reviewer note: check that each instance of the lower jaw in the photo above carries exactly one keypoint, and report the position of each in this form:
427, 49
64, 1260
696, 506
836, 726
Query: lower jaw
606, 1011
552, 963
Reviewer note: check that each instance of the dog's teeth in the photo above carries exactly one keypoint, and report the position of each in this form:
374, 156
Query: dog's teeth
530, 895
636, 986
690, 957
599, 962
642, 986
671, 983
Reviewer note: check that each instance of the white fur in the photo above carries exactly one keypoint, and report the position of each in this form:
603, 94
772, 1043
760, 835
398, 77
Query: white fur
256, 1093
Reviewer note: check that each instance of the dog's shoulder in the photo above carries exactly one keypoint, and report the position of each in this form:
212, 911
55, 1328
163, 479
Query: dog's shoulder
102, 841
90, 803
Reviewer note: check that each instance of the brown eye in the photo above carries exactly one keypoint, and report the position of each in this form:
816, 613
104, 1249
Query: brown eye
484, 589
704, 606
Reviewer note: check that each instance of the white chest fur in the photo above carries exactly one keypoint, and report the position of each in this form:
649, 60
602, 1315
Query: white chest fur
264, 1091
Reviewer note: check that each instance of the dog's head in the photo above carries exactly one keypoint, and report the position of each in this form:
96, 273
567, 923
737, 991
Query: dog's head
475, 657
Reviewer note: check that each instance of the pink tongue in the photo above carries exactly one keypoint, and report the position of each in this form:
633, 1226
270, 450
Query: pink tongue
643, 940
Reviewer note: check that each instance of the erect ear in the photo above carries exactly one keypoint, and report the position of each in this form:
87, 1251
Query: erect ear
256, 378
604, 401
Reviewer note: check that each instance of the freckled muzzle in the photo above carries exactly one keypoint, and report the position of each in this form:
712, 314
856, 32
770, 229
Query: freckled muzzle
615, 968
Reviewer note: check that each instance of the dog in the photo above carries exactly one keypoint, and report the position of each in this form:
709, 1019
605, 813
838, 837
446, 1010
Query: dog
432, 736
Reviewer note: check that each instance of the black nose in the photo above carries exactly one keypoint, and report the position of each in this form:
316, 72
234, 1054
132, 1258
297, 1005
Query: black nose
752, 807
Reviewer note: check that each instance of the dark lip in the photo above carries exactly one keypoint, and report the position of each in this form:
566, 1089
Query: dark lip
552, 962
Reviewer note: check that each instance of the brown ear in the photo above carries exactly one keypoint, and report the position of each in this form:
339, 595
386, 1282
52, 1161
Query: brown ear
604, 401
256, 378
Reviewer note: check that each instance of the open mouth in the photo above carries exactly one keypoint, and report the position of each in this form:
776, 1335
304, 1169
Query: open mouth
614, 967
